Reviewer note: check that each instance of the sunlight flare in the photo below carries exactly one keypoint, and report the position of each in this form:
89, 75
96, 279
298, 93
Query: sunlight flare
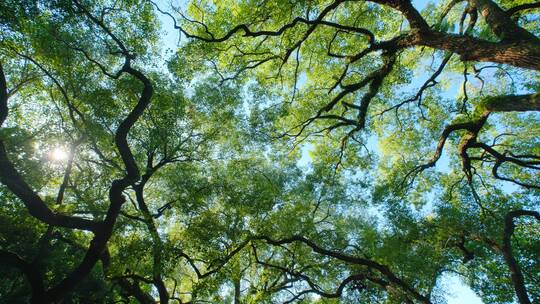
59, 154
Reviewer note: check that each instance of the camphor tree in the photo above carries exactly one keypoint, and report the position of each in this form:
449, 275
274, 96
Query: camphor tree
130, 174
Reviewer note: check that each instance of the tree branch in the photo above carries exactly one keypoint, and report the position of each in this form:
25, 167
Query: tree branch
515, 270
518, 8
352, 260
32, 275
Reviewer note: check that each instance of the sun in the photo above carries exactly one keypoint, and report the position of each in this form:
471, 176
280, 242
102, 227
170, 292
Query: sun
59, 154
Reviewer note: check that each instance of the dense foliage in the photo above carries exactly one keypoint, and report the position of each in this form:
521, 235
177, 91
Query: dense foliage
268, 151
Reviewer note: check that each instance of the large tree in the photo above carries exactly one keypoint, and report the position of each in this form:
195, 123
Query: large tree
308, 151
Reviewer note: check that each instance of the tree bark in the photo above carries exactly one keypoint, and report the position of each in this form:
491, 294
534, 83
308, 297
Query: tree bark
515, 270
237, 291
524, 54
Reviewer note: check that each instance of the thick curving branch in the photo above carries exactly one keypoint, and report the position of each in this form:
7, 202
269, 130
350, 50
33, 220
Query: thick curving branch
515, 271
501, 23
522, 7
32, 274
134, 290
116, 197
523, 54
3, 96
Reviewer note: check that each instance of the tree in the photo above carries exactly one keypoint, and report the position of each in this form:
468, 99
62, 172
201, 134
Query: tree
131, 174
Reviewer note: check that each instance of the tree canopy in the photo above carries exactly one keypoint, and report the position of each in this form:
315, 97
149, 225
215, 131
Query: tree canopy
307, 151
